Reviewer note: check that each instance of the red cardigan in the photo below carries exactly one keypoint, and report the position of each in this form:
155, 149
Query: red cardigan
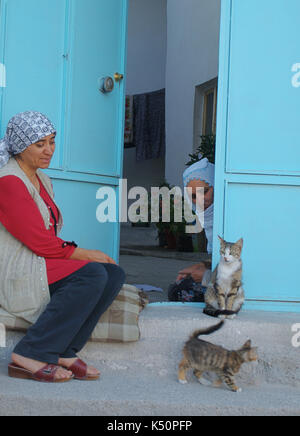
21, 217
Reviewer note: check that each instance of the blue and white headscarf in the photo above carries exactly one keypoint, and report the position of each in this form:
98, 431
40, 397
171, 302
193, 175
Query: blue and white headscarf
23, 130
205, 171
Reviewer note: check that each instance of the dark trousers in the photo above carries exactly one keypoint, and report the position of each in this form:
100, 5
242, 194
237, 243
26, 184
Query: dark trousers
77, 303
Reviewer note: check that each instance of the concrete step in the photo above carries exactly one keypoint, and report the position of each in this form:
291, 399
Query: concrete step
139, 393
141, 378
154, 251
165, 328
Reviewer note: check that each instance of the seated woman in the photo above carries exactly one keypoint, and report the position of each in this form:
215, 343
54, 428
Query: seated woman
200, 175
58, 287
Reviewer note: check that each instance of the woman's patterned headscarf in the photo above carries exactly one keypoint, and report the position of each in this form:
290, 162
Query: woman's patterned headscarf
23, 130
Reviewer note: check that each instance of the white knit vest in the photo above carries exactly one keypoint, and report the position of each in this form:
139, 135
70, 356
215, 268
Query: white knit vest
24, 290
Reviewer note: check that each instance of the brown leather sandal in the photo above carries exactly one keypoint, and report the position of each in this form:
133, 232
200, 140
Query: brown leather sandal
79, 369
44, 375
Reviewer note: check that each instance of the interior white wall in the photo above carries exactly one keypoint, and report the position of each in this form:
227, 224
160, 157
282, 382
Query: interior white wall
146, 72
192, 59
147, 46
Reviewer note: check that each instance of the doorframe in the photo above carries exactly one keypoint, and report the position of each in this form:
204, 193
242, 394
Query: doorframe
222, 126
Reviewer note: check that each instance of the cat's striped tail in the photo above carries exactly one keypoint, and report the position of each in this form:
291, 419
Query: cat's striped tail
207, 331
215, 313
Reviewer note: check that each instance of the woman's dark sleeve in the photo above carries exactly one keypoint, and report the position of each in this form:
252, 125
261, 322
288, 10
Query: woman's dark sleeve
21, 217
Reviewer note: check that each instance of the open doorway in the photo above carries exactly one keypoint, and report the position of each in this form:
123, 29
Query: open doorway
173, 46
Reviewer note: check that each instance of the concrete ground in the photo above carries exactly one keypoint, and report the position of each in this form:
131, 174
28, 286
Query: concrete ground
145, 263
140, 379
154, 271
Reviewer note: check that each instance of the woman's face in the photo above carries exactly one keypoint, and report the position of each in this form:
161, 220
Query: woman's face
39, 154
205, 195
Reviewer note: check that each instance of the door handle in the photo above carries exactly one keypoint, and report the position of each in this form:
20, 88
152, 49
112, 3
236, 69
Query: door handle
118, 77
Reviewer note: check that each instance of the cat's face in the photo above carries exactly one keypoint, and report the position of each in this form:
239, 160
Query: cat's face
249, 353
230, 252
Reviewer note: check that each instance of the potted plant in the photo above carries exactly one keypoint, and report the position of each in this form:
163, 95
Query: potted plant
172, 234
184, 241
166, 235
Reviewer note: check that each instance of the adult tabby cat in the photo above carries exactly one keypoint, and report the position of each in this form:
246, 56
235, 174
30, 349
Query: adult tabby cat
202, 356
225, 295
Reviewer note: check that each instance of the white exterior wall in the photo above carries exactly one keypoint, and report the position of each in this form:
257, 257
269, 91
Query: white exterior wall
192, 59
146, 72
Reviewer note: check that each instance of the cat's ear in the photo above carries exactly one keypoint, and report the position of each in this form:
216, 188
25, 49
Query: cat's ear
240, 243
247, 345
221, 239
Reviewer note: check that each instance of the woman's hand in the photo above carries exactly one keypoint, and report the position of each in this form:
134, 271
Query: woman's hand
91, 255
196, 271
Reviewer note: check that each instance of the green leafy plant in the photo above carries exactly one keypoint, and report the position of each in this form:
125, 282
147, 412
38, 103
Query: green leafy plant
172, 234
172, 226
161, 225
207, 149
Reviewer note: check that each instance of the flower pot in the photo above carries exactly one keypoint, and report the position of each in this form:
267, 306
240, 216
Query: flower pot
140, 224
185, 243
162, 239
171, 240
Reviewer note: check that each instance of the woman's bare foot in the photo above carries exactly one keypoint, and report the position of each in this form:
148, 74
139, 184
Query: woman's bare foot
69, 362
34, 366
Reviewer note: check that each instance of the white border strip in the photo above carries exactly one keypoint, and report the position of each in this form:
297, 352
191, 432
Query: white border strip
2, 76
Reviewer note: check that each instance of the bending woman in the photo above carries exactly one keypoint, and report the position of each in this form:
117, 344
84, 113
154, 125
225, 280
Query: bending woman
201, 175
58, 287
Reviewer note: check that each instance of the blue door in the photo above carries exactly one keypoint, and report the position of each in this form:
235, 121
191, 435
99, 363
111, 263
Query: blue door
258, 146
56, 53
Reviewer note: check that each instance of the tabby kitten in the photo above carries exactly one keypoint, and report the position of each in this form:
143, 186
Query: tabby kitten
225, 296
203, 356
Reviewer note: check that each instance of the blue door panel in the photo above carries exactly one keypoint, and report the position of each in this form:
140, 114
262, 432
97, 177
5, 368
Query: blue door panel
93, 117
263, 105
255, 212
33, 56
257, 194
78, 203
